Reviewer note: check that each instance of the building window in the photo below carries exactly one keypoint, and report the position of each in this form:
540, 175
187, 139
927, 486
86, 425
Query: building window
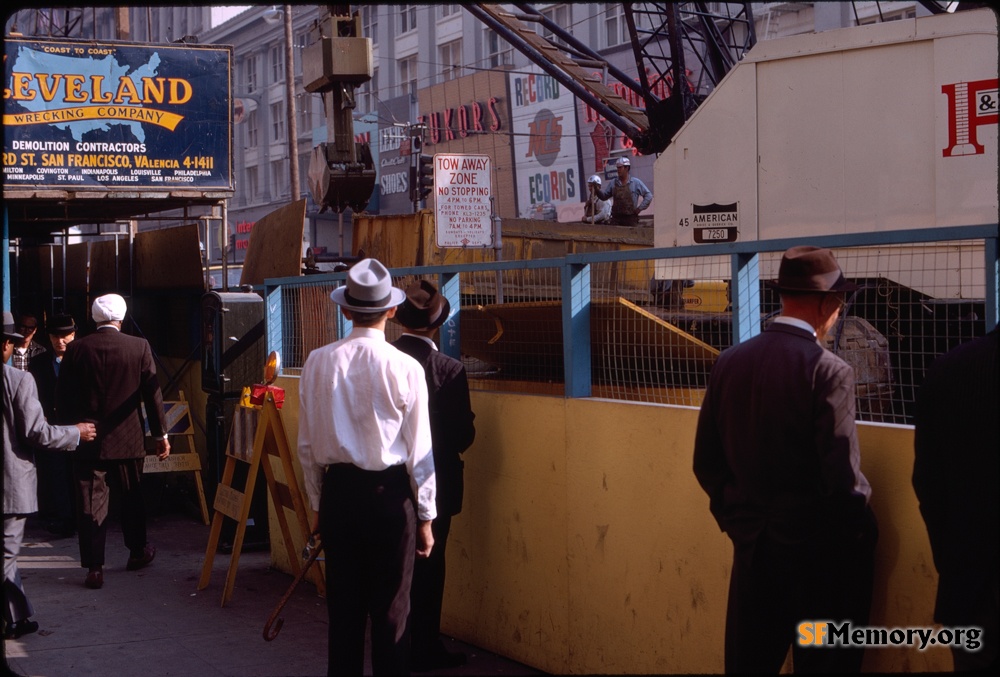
277, 63
448, 8
251, 73
408, 76
615, 28
368, 93
279, 178
253, 185
559, 15
304, 160
197, 22
498, 51
253, 126
450, 56
301, 40
304, 108
369, 22
407, 18
278, 111
895, 16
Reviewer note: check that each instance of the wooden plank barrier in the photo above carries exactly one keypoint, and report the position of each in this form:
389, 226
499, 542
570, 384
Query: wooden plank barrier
179, 426
262, 425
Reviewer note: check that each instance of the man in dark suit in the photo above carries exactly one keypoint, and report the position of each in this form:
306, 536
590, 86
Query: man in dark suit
55, 470
955, 477
105, 378
452, 432
776, 450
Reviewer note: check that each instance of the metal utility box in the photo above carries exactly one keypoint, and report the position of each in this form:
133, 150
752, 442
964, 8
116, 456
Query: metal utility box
865, 129
233, 342
331, 61
875, 128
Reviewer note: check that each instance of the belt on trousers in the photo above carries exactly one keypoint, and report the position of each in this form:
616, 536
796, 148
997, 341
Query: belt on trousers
349, 470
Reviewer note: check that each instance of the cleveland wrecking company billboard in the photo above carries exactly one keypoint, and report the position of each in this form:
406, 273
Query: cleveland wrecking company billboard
94, 115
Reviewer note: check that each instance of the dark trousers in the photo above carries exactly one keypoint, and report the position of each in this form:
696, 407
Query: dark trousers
55, 486
981, 611
775, 585
427, 593
96, 481
368, 526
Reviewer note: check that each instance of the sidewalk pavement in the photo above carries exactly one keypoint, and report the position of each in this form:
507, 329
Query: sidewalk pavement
155, 622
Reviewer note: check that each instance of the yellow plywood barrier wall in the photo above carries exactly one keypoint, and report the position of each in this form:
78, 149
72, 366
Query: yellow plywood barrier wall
586, 545
407, 240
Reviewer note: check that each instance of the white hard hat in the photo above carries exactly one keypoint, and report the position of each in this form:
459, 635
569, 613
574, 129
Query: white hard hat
594, 179
624, 162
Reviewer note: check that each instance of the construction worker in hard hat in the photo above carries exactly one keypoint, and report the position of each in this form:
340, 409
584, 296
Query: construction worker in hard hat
596, 210
631, 195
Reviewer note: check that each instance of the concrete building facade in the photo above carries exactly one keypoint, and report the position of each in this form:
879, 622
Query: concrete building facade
439, 73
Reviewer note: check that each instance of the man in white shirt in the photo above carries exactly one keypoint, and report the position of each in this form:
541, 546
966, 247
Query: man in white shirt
364, 444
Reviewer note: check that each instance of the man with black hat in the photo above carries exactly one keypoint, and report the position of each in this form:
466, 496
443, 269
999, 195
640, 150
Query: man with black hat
452, 432
24, 431
55, 474
364, 444
776, 449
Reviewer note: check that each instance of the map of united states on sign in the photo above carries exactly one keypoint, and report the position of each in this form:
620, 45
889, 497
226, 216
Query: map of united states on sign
101, 83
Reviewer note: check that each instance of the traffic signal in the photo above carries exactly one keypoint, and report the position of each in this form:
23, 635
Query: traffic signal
425, 176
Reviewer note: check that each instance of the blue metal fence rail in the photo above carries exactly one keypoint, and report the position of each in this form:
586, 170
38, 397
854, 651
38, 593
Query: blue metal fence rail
575, 279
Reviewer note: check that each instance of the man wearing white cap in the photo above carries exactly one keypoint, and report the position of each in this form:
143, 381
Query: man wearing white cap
364, 444
105, 378
596, 210
631, 195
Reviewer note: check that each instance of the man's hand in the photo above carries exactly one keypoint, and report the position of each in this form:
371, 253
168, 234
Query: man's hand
162, 449
88, 431
425, 538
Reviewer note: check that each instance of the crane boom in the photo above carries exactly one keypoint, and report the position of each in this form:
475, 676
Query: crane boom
663, 36
568, 69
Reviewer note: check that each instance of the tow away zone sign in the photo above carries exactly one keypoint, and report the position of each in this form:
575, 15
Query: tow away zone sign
462, 206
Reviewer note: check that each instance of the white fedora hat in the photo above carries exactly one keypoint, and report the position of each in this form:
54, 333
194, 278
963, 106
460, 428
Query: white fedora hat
369, 289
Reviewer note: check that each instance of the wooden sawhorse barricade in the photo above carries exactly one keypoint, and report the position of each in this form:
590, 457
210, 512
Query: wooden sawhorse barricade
179, 426
264, 426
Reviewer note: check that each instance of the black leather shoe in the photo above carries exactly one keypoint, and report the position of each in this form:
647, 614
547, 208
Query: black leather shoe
135, 563
61, 528
436, 659
95, 580
19, 629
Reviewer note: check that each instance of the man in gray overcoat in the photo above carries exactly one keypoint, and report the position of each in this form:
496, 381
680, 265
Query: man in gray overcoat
24, 430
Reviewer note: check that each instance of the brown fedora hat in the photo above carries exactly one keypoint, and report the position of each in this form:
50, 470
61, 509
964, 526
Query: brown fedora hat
424, 308
808, 269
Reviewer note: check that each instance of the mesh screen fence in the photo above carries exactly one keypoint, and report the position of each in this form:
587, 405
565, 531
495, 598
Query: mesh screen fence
657, 325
